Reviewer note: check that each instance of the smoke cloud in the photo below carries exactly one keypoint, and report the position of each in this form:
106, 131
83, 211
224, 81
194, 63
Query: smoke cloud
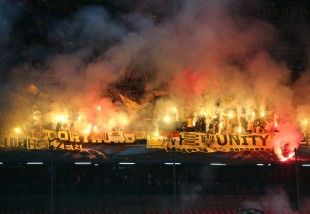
206, 52
276, 200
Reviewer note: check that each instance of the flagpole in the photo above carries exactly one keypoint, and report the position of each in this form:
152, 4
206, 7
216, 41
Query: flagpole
297, 180
52, 181
174, 186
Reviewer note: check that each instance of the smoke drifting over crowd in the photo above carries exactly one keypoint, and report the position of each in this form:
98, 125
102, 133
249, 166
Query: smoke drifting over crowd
275, 199
210, 55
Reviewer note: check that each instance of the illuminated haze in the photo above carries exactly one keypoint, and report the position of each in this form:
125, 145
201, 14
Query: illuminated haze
203, 53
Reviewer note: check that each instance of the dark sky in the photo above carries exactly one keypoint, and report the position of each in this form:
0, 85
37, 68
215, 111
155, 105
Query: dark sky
28, 28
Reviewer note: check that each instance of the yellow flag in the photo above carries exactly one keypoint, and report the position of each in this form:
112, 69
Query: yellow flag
129, 104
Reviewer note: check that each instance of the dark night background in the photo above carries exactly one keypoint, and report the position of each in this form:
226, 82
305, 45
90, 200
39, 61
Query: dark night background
33, 32
30, 29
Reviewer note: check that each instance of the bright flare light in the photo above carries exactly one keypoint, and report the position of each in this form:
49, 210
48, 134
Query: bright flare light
263, 114
99, 108
60, 119
156, 132
240, 129
123, 120
17, 130
112, 122
285, 153
305, 125
167, 119
87, 130
283, 159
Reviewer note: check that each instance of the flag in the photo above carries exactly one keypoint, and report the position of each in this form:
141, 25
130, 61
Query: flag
129, 104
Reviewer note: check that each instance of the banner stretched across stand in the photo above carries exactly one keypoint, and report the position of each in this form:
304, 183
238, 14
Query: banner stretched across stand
177, 141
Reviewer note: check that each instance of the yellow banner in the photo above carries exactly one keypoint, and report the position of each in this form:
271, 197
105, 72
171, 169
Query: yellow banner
198, 141
183, 141
31, 143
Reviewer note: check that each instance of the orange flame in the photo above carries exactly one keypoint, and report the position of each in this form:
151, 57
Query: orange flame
285, 152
